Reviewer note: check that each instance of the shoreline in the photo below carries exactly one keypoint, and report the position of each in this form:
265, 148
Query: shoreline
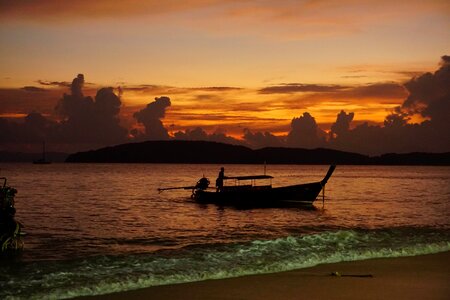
412, 277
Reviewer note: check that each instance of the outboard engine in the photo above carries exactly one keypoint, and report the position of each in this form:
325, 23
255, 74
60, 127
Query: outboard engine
202, 184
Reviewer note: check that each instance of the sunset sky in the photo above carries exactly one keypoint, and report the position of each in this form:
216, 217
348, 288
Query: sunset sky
229, 67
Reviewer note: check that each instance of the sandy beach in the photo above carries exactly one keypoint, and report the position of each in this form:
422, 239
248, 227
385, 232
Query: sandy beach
419, 277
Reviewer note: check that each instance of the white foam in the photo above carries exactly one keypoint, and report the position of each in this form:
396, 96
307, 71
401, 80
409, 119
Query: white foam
108, 275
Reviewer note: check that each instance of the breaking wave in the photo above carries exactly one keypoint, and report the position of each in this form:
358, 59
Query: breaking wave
107, 274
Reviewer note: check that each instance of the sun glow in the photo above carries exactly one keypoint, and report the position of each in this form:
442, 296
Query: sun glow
224, 69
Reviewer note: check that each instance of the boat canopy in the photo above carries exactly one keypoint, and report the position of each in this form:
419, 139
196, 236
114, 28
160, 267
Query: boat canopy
248, 177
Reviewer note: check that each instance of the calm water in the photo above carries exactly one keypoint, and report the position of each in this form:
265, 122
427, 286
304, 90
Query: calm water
98, 228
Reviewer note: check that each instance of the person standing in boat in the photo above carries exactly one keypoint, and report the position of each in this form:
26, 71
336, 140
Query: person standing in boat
219, 180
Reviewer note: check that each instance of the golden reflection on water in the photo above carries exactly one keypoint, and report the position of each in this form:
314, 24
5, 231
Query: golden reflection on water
75, 209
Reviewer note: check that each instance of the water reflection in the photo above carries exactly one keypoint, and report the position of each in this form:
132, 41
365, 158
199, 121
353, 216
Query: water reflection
72, 210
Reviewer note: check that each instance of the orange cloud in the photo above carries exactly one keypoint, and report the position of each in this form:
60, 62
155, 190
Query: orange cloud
287, 19
252, 114
230, 109
67, 10
265, 109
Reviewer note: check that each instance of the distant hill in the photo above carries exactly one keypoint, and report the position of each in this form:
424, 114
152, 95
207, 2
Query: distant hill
167, 152
309, 156
212, 152
6, 156
415, 158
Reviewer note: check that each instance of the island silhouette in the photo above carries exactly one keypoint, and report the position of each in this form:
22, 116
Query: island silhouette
203, 152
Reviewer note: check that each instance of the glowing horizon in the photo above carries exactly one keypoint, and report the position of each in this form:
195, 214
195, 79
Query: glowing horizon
225, 66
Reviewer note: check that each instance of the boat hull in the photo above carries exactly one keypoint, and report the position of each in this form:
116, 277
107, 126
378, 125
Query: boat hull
302, 194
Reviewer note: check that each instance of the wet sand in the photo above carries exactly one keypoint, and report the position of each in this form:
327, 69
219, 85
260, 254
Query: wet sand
418, 277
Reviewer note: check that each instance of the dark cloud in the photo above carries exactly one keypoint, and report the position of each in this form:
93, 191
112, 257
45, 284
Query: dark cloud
77, 86
381, 93
305, 133
395, 136
37, 127
33, 89
198, 134
34, 128
54, 83
165, 89
364, 138
216, 89
24, 100
262, 139
354, 76
429, 95
90, 120
222, 137
151, 116
342, 125
84, 120
377, 90
95, 120
410, 74
289, 88
217, 117
207, 97
147, 88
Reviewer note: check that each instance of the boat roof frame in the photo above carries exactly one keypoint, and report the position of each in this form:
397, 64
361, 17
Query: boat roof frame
251, 177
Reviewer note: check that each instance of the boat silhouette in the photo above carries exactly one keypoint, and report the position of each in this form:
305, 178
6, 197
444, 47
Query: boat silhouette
246, 193
43, 160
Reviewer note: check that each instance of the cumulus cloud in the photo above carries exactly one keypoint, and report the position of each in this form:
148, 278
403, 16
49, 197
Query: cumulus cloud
222, 137
95, 120
342, 125
77, 86
429, 95
262, 139
84, 120
305, 133
34, 128
90, 120
151, 116
198, 134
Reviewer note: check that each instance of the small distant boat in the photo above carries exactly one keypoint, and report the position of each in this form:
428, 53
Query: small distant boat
42, 161
246, 193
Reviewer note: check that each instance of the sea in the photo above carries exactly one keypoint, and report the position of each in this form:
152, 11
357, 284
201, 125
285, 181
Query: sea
101, 228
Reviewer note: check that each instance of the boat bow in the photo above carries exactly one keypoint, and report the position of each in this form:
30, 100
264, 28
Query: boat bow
328, 175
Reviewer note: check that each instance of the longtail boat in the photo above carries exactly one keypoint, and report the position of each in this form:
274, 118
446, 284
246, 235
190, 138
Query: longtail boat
246, 193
